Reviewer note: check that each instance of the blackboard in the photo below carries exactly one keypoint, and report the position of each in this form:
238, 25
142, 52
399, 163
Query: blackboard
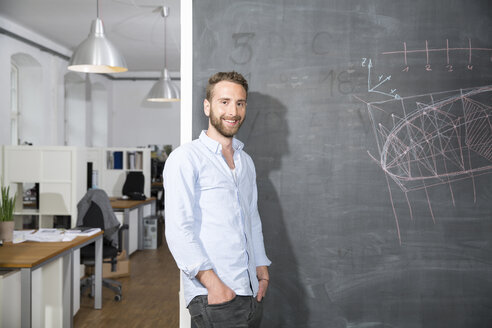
368, 124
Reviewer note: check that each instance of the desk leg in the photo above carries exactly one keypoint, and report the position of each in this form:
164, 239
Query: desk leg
98, 273
26, 294
140, 228
126, 233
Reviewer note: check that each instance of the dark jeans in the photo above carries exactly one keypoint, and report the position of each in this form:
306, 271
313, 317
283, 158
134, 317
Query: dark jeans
240, 312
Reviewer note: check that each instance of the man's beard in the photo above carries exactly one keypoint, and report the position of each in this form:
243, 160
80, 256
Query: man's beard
219, 125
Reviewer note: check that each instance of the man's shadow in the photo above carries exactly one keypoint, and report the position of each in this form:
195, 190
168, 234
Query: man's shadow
264, 132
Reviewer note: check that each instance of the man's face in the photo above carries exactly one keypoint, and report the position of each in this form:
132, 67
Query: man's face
227, 109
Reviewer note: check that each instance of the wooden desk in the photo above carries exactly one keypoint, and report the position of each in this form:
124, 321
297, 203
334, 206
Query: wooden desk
29, 256
135, 227
122, 204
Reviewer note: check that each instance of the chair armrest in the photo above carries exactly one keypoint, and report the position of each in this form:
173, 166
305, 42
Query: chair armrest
120, 237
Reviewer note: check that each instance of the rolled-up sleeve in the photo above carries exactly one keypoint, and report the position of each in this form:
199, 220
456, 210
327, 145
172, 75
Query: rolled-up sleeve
179, 184
256, 230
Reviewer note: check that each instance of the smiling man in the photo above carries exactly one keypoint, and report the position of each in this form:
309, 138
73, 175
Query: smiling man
213, 228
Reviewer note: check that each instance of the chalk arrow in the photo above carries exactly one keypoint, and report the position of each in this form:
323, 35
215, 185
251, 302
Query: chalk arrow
377, 85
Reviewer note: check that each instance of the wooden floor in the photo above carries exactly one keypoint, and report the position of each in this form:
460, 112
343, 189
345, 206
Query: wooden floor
150, 295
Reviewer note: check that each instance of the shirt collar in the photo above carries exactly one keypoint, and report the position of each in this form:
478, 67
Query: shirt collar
215, 147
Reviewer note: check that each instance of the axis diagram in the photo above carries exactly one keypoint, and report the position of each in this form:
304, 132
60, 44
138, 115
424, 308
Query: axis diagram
432, 139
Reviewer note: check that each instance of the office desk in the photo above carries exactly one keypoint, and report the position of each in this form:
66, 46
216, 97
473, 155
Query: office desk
29, 256
133, 214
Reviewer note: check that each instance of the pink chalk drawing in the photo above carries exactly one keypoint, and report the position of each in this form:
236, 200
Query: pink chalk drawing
432, 139
427, 50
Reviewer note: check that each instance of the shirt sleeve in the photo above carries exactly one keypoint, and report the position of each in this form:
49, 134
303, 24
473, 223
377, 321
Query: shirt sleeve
256, 230
179, 178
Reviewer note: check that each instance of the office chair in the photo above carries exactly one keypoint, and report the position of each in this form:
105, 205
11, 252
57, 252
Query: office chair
134, 185
94, 218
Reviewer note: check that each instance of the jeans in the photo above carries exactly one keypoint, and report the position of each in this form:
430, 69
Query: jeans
240, 312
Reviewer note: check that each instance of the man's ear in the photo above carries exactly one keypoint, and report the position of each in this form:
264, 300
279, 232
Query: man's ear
206, 107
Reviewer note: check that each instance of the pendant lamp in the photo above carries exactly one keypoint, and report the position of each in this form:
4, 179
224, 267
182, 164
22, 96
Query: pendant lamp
164, 90
96, 54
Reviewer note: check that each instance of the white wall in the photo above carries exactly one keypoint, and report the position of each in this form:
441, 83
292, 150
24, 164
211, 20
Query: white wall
137, 122
50, 101
100, 116
186, 112
48, 86
75, 110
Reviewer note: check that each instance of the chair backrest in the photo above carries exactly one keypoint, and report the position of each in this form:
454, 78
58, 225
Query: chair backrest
134, 183
94, 217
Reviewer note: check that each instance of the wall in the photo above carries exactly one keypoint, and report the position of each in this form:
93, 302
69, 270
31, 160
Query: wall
137, 122
100, 116
52, 76
369, 124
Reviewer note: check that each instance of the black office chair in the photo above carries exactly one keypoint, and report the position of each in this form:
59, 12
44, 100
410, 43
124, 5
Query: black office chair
134, 185
94, 218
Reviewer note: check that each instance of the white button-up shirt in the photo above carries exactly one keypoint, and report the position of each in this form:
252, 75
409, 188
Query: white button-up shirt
212, 219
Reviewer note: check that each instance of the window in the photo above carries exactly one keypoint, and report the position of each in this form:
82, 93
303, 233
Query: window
14, 105
29, 119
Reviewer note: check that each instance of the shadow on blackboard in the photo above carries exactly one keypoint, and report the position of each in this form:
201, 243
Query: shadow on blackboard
265, 132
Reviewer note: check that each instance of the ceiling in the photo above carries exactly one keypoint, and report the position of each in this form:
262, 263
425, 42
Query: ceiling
135, 27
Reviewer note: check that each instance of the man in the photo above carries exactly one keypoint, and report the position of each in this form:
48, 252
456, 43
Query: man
213, 228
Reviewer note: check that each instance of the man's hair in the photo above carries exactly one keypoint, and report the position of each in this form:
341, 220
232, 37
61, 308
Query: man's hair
234, 77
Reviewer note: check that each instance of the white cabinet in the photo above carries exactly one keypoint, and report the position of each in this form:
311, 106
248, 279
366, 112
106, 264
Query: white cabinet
56, 175
10, 298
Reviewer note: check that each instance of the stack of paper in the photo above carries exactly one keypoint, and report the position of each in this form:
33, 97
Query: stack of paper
82, 231
47, 235
20, 235
52, 235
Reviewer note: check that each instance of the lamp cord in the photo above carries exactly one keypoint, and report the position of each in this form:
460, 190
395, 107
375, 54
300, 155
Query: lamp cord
165, 55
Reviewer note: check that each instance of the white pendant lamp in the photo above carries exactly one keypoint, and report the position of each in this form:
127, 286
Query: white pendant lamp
164, 90
96, 54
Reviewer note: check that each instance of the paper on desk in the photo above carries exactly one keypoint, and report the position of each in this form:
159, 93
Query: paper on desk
83, 231
46, 235
20, 235
42, 235
50, 235
68, 237
46, 238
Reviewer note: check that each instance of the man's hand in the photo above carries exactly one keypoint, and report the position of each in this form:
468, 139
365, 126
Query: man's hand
263, 280
218, 292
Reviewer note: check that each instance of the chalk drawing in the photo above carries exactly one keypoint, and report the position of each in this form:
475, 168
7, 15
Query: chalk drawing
243, 51
376, 88
431, 139
467, 50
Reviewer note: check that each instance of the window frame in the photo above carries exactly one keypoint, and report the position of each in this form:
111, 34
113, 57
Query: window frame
14, 104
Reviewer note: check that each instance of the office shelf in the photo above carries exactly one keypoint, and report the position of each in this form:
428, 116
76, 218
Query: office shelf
56, 170
113, 164
61, 174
